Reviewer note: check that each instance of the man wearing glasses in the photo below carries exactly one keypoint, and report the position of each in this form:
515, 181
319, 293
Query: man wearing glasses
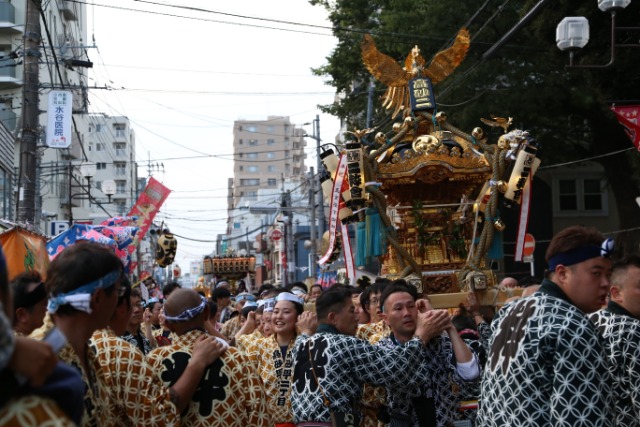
134, 335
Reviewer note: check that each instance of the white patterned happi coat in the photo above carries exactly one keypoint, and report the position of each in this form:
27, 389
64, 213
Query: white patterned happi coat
546, 366
621, 332
342, 364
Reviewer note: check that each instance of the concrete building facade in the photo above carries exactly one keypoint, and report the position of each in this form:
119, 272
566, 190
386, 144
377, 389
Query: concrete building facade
265, 152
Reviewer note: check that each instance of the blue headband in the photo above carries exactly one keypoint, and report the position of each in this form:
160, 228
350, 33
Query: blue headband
188, 314
80, 297
581, 254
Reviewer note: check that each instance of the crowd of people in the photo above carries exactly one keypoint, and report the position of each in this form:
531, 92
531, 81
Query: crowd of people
86, 349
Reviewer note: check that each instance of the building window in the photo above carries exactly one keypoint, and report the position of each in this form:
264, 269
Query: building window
120, 130
253, 142
271, 129
101, 166
271, 141
120, 149
121, 186
272, 182
98, 128
121, 168
252, 181
253, 169
252, 156
251, 195
272, 169
271, 155
581, 196
100, 146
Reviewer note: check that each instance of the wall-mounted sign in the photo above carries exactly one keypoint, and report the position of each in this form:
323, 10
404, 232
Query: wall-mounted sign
60, 115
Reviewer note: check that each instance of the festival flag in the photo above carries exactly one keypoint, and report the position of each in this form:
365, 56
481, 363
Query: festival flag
628, 117
73, 234
146, 208
24, 250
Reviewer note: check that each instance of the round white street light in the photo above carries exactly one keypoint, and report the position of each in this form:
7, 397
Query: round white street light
109, 187
572, 33
607, 5
88, 169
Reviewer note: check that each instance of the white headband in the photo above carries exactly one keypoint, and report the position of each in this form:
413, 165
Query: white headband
286, 296
298, 292
269, 304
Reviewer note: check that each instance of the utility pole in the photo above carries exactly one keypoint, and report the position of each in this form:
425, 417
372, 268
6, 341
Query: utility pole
318, 190
312, 221
30, 110
289, 240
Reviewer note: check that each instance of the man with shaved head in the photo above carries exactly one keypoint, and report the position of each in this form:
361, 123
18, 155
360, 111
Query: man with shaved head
228, 393
619, 325
136, 396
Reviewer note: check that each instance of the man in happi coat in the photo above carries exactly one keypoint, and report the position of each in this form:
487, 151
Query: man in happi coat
619, 324
546, 364
84, 284
333, 364
229, 394
137, 397
446, 360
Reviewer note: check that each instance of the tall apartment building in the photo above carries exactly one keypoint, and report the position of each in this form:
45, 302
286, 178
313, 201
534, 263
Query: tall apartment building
265, 152
63, 31
110, 143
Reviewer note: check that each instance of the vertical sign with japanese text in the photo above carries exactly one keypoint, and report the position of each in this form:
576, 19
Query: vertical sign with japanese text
421, 94
59, 123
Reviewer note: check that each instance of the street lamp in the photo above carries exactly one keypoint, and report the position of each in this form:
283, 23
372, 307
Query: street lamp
88, 171
108, 187
572, 33
320, 197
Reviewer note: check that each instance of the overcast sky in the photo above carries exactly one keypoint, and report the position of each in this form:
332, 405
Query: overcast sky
183, 81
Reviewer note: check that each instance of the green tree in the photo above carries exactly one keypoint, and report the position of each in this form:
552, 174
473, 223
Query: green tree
567, 110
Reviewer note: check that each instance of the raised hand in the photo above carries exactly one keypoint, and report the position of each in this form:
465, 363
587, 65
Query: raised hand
307, 323
206, 350
432, 323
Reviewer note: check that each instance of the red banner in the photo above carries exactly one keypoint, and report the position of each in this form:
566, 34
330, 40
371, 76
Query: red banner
628, 117
146, 208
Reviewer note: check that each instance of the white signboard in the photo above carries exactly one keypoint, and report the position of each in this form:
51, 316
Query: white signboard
59, 124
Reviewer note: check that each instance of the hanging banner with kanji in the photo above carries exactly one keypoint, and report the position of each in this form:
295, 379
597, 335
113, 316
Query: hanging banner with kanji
628, 118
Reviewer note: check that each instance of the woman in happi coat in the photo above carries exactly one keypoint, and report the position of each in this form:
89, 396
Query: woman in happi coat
274, 356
